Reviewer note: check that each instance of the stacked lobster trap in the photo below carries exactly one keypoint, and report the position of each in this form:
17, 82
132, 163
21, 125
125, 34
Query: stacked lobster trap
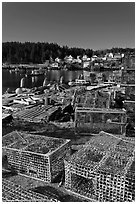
94, 120
12, 192
95, 98
102, 170
94, 112
128, 76
129, 91
35, 156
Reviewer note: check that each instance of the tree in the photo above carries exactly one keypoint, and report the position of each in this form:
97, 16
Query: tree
30, 52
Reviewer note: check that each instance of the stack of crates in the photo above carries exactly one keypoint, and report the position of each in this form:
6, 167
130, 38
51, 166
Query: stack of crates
94, 120
114, 174
95, 99
128, 76
129, 91
35, 156
130, 184
86, 99
12, 192
103, 99
110, 177
117, 75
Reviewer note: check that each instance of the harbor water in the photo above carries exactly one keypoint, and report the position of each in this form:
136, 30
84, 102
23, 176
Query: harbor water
12, 79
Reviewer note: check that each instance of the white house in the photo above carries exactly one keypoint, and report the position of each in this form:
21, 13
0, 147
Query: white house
78, 60
68, 58
54, 65
85, 58
86, 64
110, 55
93, 58
117, 56
57, 60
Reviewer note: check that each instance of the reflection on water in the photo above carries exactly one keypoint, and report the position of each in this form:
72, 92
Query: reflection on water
34, 80
12, 79
45, 82
53, 75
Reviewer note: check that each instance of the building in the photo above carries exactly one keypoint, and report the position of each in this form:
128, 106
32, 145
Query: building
35, 156
85, 58
54, 65
57, 60
109, 56
86, 64
68, 59
103, 169
117, 56
94, 57
78, 60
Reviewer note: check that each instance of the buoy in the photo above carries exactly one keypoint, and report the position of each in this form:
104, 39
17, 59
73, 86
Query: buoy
61, 79
46, 100
22, 82
18, 91
44, 82
8, 90
33, 80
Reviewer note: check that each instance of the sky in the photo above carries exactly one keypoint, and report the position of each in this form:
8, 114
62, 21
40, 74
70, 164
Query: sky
94, 25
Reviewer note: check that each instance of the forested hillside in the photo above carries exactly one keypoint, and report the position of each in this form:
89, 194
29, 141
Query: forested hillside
29, 52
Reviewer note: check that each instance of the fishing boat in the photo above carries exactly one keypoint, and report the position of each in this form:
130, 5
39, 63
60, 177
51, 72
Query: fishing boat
78, 82
36, 72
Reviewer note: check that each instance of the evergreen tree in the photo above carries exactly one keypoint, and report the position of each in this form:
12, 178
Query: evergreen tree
30, 52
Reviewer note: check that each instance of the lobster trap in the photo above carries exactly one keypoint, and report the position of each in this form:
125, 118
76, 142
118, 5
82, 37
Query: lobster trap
35, 156
94, 120
128, 76
129, 91
102, 170
12, 192
95, 98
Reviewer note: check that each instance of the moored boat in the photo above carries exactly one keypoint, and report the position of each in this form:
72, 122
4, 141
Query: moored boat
36, 73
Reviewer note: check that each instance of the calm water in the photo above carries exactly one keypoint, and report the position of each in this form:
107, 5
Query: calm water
11, 79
